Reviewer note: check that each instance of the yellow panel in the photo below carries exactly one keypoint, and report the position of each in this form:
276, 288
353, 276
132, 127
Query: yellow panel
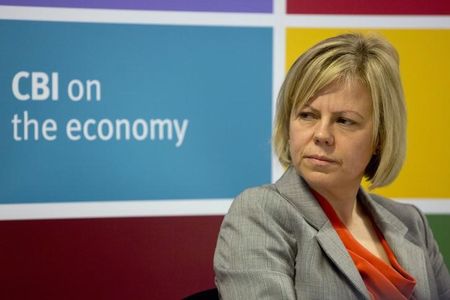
425, 69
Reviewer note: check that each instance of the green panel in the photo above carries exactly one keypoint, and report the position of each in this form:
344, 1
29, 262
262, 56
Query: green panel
441, 226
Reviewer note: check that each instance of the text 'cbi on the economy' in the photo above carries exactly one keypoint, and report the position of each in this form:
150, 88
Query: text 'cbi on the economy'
40, 86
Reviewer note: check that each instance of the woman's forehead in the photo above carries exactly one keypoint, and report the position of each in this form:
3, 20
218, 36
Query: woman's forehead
353, 84
340, 96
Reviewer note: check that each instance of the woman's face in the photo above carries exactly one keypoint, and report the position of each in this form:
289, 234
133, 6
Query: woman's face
331, 137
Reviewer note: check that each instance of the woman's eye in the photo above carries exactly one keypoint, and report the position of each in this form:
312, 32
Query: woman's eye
345, 121
306, 115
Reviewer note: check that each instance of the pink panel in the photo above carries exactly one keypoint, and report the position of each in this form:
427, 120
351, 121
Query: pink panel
380, 7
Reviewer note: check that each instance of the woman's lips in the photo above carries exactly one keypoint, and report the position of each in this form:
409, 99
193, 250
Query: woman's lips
320, 160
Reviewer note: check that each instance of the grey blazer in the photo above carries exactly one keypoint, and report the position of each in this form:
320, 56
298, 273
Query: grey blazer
277, 243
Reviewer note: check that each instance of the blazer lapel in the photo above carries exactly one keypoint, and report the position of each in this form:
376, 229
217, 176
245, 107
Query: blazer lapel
336, 251
297, 192
409, 255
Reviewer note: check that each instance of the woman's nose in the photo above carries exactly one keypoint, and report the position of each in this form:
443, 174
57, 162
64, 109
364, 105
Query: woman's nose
323, 134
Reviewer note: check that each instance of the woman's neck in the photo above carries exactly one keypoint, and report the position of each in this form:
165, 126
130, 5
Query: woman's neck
344, 202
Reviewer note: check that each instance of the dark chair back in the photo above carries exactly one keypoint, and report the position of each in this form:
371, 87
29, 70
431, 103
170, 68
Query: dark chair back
211, 294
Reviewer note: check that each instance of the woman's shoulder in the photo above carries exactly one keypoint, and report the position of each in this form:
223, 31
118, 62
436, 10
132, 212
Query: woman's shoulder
261, 198
407, 213
395, 206
255, 242
264, 207
259, 193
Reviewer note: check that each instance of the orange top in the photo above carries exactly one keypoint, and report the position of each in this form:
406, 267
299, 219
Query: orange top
383, 281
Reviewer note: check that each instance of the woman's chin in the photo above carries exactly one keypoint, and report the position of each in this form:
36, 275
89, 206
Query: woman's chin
329, 181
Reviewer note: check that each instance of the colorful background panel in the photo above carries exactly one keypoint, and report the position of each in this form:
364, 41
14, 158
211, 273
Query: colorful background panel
177, 5
425, 69
209, 68
381, 7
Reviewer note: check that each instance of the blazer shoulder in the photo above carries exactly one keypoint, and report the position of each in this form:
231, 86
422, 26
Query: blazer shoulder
398, 208
265, 197
263, 205
408, 214
258, 220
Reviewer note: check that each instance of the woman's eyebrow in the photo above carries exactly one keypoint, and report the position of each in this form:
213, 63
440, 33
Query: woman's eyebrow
308, 106
349, 111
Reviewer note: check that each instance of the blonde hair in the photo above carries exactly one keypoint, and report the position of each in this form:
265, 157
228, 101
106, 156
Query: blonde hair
374, 62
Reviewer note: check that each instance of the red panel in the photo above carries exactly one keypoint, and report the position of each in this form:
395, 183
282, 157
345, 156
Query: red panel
380, 7
128, 258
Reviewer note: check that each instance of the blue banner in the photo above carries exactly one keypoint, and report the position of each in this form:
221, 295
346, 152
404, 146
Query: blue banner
98, 112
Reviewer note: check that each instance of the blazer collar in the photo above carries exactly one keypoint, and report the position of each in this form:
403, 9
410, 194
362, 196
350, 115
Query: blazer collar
294, 189
411, 257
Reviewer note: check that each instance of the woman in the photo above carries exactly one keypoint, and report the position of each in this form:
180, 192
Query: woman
315, 234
